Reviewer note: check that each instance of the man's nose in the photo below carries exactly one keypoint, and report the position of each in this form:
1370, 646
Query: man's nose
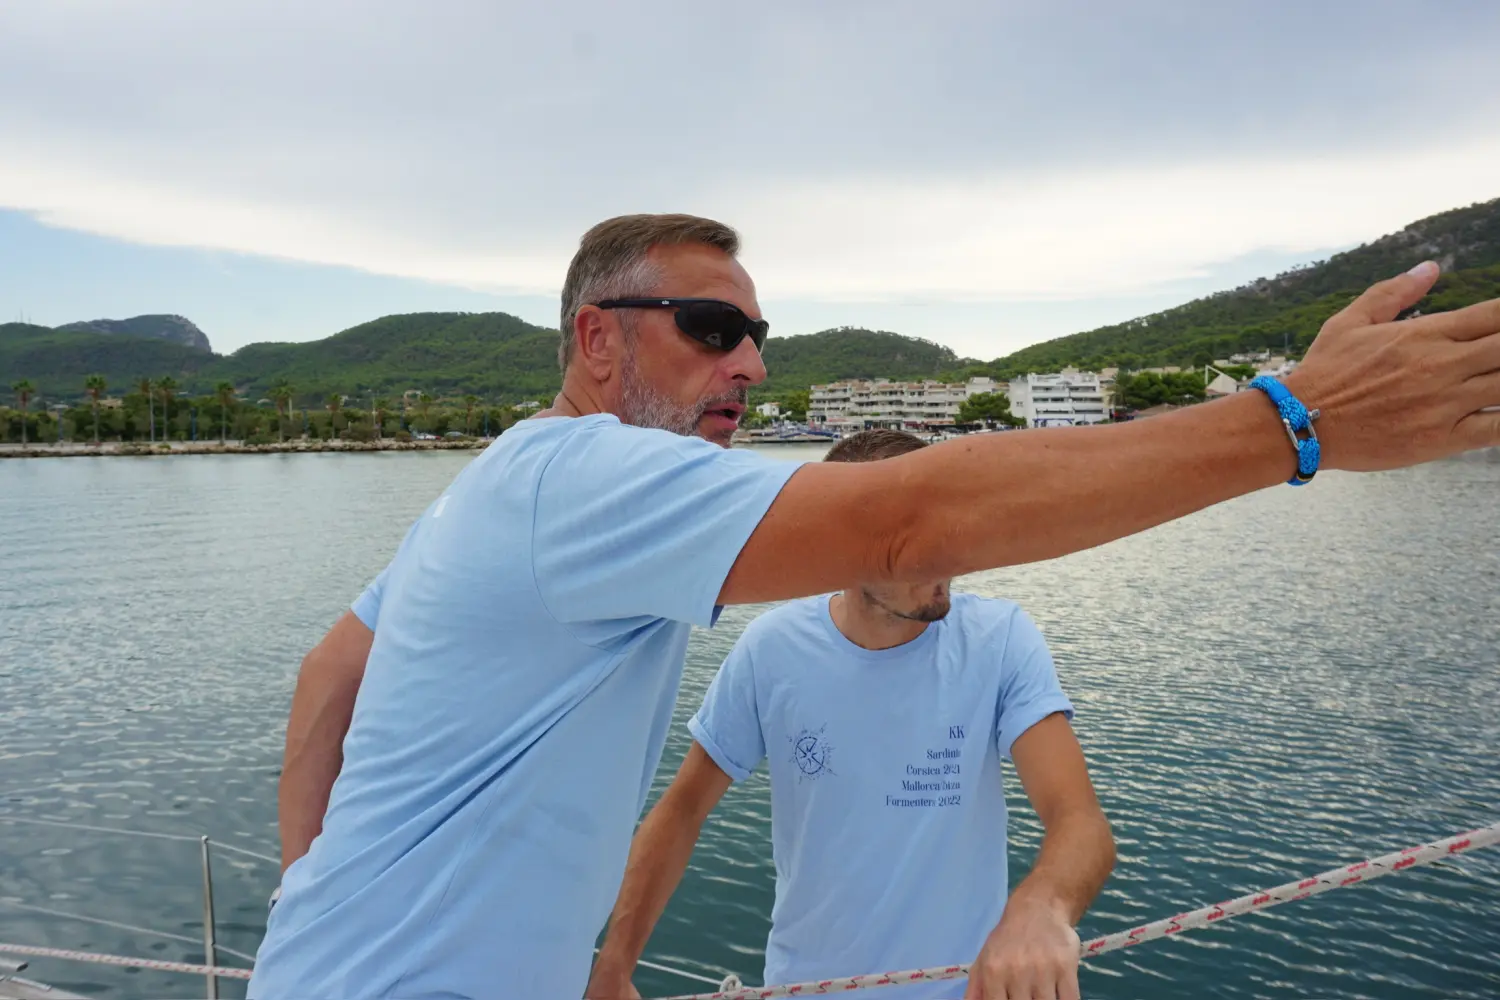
745, 363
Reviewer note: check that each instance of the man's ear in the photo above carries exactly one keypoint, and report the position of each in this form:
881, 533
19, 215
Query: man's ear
598, 342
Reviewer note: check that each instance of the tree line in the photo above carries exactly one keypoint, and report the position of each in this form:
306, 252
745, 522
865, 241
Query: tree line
154, 410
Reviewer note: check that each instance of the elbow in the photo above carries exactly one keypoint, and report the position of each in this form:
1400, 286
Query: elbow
905, 545
1107, 851
922, 530
915, 549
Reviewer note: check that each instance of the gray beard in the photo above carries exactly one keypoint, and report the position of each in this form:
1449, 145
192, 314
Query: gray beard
643, 406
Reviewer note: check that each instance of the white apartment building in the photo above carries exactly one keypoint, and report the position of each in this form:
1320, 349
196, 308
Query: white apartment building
772, 409
1065, 399
862, 405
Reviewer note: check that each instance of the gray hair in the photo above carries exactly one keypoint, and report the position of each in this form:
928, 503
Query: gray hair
612, 262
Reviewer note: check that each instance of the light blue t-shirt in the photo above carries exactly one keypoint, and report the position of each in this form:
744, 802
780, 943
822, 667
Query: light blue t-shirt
887, 806
529, 640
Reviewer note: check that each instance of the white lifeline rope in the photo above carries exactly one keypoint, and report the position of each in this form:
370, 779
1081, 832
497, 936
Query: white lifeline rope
222, 971
1337, 878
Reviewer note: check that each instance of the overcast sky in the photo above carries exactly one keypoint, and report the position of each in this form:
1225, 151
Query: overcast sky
984, 174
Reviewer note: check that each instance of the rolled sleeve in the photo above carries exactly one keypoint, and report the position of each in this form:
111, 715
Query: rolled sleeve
1029, 689
727, 725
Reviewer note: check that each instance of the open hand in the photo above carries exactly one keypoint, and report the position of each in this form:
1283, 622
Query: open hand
1396, 393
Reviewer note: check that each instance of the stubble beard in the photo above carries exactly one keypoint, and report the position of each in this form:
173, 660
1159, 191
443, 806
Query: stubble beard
642, 405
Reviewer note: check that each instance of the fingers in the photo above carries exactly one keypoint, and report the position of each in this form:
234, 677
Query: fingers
1479, 430
1024, 983
1482, 356
1384, 301
1068, 989
1482, 392
1472, 323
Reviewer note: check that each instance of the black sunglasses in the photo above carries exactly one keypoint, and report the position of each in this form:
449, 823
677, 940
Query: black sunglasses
708, 321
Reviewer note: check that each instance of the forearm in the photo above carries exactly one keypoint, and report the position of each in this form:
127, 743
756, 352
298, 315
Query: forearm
1077, 855
990, 500
659, 856
321, 711
1001, 499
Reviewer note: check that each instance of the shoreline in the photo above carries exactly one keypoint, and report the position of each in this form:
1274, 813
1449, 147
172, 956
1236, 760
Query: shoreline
133, 449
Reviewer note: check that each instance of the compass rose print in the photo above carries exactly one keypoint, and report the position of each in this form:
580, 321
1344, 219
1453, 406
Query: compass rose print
811, 753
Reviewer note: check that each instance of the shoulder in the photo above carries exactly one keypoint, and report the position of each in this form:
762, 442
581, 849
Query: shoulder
785, 617
990, 616
777, 643
616, 453
789, 622
996, 624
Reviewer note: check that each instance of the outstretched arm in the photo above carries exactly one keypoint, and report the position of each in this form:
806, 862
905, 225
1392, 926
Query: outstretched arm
1391, 394
658, 857
322, 706
1034, 950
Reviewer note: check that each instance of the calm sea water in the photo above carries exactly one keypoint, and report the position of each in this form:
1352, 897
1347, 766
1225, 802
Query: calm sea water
1266, 689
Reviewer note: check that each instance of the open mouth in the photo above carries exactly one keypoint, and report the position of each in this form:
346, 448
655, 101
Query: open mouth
730, 411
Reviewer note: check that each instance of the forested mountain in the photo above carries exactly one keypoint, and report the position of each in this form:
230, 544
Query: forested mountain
176, 329
1287, 310
504, 359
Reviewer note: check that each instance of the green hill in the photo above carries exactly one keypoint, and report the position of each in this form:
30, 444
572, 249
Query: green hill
1286, 311
493, 355
503, 359
57, 361
177, 329
847, 352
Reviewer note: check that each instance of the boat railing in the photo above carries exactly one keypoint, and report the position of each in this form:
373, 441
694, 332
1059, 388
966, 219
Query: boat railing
206, 847
209, 941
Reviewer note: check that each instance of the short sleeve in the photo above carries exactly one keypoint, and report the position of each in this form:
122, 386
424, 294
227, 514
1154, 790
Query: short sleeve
367, 606
727, 726
1029, 690
635, 522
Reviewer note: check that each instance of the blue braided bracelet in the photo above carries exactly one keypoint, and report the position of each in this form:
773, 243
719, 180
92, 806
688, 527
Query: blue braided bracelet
1296, 418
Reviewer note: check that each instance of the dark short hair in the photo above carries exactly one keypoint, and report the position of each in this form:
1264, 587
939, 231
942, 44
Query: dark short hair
872, 446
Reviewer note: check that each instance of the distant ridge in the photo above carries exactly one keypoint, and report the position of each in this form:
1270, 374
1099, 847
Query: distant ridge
175, 329
1287, 310
502, 358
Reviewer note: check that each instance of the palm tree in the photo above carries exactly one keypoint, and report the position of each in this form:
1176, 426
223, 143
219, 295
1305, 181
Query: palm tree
95, 385
166, 385
470, 402
23, 390
225, 392
382, 408
423, 402
334, 402
148, 390
281, 392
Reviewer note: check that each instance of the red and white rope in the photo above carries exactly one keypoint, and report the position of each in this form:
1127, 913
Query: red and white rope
1337, 878
223, 971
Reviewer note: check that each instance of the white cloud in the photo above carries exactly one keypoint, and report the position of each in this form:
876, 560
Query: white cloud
1088, 234
858, 239
870, 153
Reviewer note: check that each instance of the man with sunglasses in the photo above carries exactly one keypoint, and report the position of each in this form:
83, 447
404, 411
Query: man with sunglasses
470, 746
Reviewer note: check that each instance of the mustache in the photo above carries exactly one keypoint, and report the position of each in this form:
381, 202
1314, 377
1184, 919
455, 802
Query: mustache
740, 395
